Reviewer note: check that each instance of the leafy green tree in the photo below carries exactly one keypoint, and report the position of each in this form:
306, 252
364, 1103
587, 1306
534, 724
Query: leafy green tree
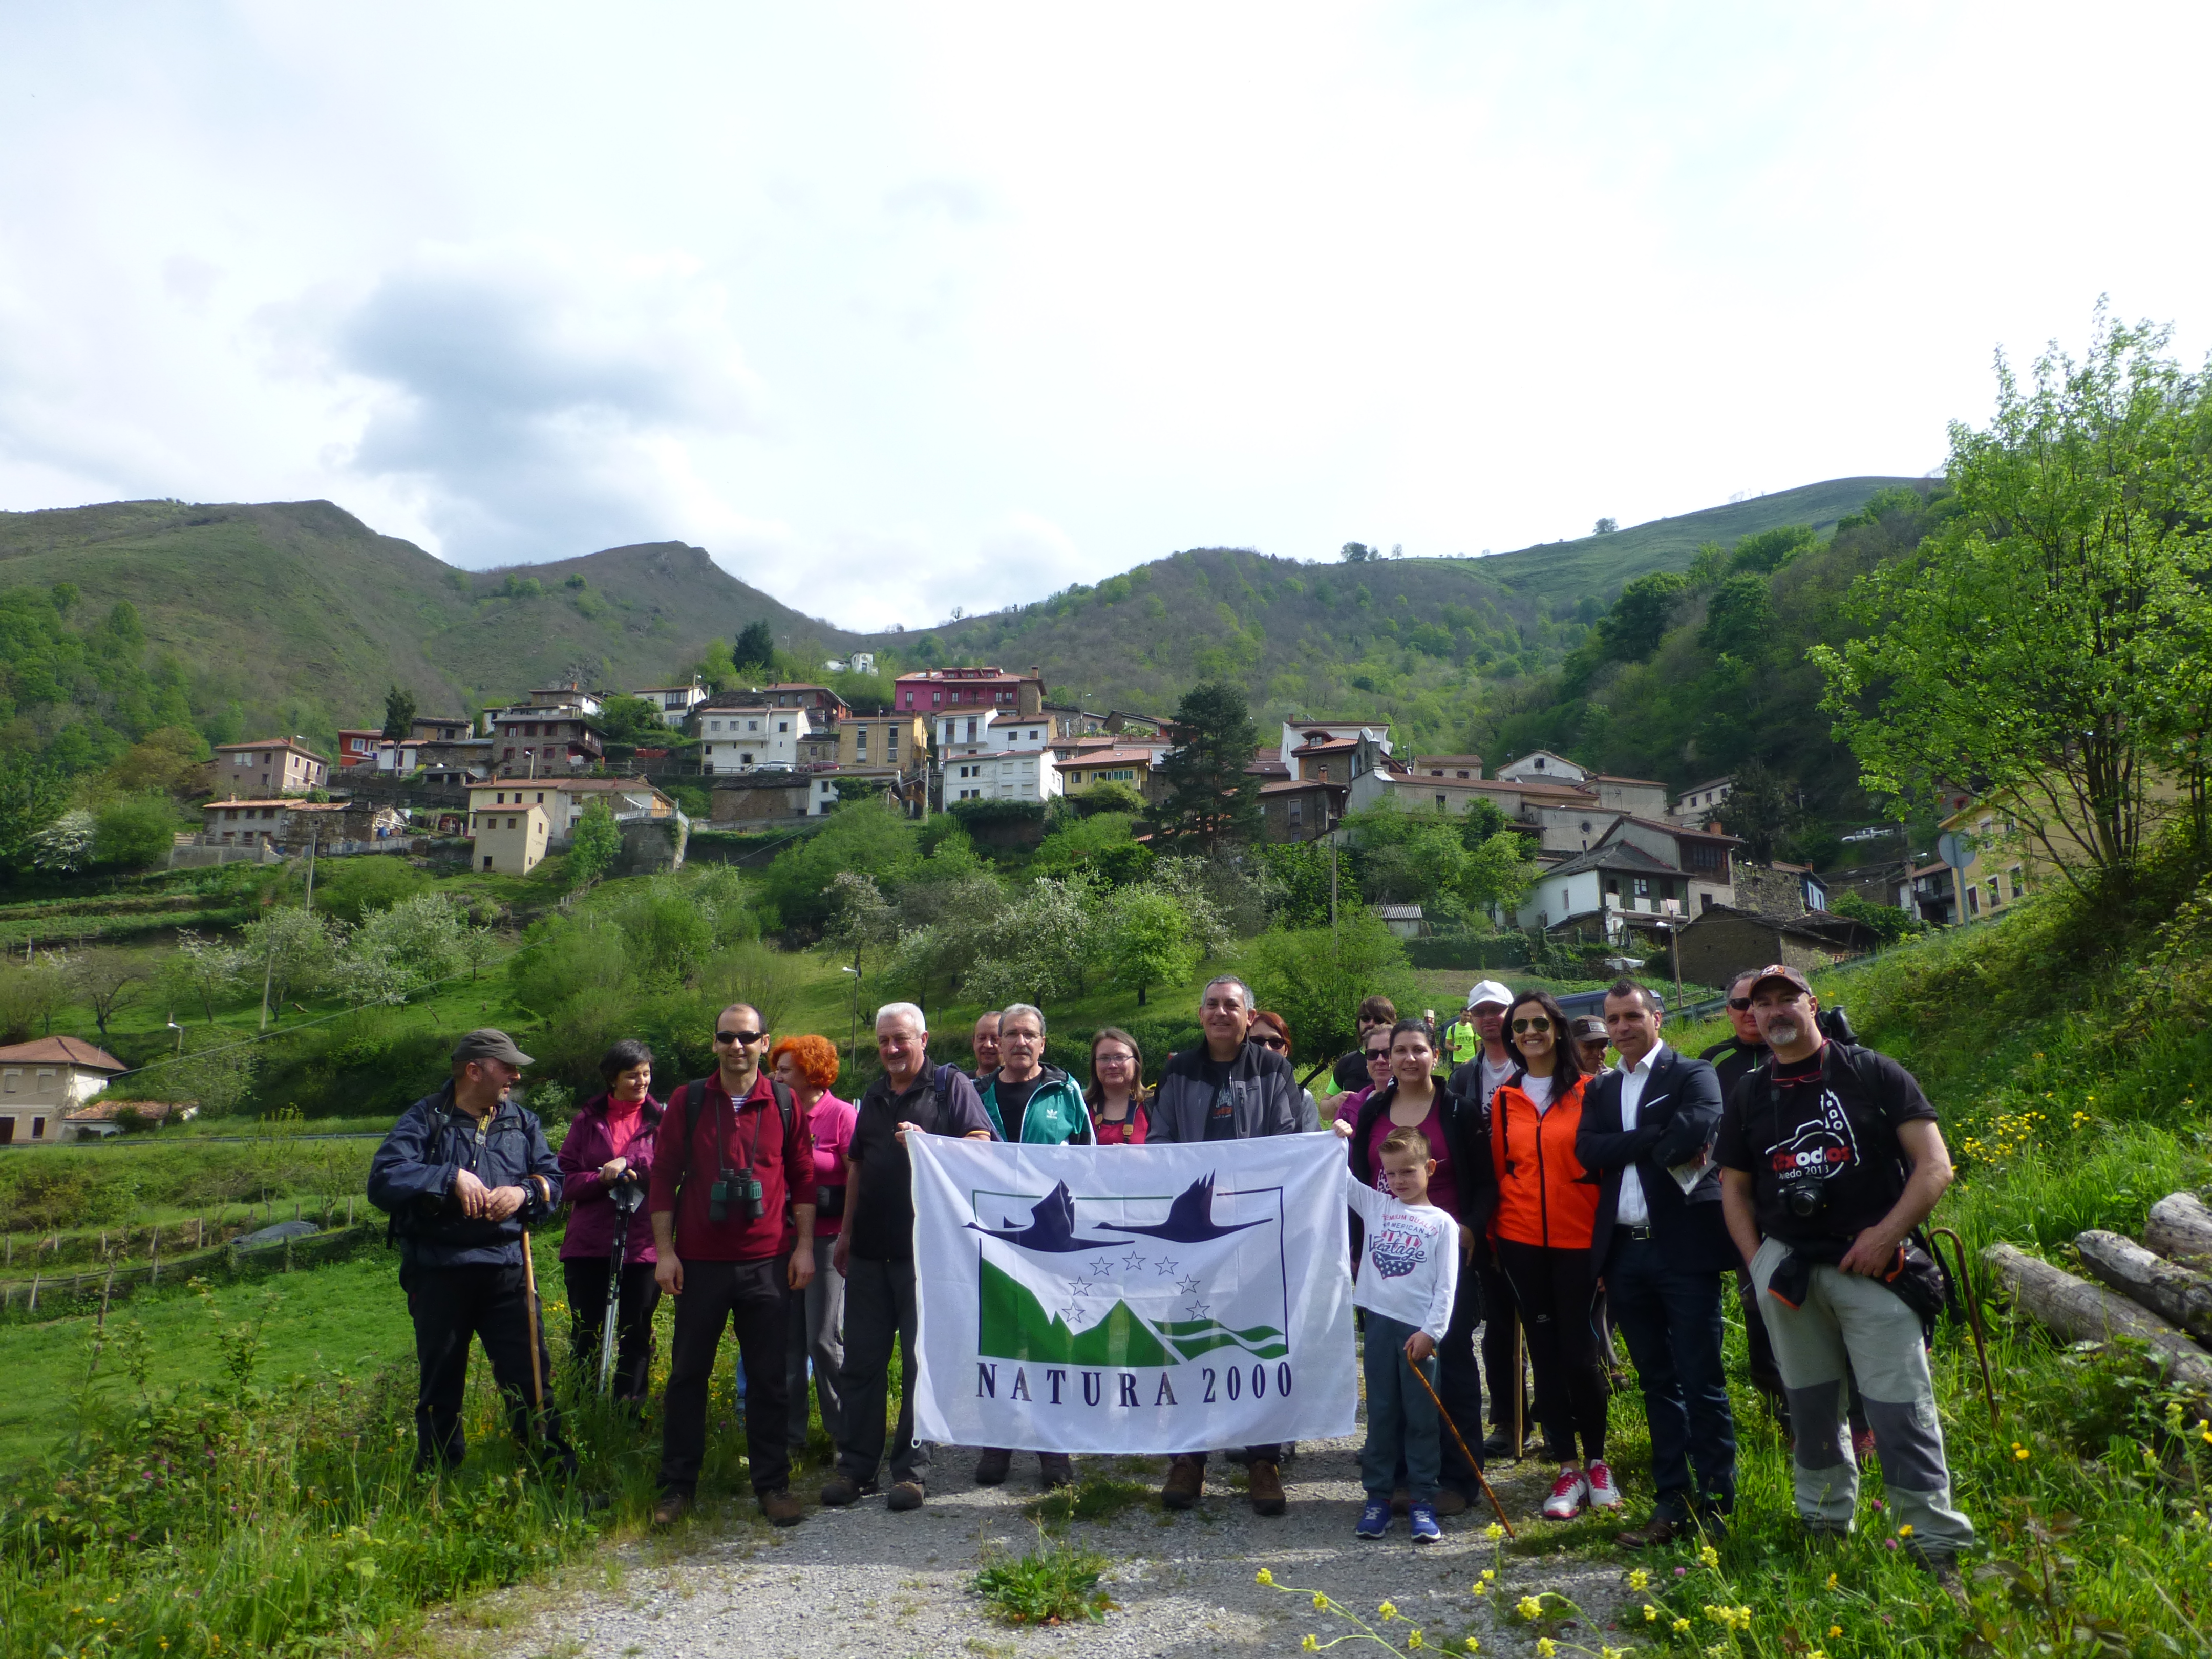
290, 950
754, 651
353, 888
594, 845
635, 720
399, 713
395, 952
1043, 947
1767, 551
1641, 615
66, 845
1147, 939
32, 796
1358, 553
1212, 799
135, 833
1315, 981
858, 836
30, 997
104, 979
204, 971
1762, 808
1889, 923
1739, 618
2048, 643
671, 933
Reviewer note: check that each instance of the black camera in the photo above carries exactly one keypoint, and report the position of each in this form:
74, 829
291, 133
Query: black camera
1806, 1199
742, 1190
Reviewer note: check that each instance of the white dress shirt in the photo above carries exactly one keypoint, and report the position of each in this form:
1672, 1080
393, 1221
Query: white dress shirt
1634, 1211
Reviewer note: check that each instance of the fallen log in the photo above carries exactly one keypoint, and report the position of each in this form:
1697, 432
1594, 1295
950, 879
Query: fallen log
2180, 1229
2083, 1312
2171, 1292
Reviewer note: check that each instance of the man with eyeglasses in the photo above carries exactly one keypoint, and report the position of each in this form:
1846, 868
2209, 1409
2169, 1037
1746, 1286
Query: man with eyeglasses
875, 1251
1474, 1081
1830, 1159
1225, 1088
733, 1208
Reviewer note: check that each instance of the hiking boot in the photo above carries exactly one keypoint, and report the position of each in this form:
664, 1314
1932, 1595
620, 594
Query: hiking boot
905, 1495
1054, 1470
1451, 1500
1499, 1444
1424, 1519
1401, 1501
840, 1491
991, 1467
1373, 1520
782, 1509
1265, 1485
1186, 1480
1603, 1494
672, 1507
1944, 1570
1655, 1533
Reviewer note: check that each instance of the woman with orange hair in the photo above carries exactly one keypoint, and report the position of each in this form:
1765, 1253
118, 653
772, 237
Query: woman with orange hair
807, 1065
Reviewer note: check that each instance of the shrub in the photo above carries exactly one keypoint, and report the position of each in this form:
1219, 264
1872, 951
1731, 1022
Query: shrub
350, 888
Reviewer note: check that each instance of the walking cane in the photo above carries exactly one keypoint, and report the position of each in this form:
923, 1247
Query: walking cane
1974, 1311
530, 1321
1519, 1393
1460, 1440
626, 1197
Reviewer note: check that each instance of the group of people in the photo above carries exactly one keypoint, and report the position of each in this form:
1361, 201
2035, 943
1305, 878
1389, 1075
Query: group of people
1527, 1198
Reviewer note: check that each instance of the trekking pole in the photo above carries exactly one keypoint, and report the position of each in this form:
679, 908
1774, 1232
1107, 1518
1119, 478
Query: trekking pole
530, 1317
1461, 1441
1520, 1394
1973, 1312
624, 1188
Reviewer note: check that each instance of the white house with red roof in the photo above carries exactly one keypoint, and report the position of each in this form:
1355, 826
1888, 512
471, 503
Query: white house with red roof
42, 1081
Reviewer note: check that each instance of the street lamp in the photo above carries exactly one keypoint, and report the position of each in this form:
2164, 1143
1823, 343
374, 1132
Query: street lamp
852, 1037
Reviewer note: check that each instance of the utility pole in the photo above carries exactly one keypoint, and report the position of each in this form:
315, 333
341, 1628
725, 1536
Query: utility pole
314, 835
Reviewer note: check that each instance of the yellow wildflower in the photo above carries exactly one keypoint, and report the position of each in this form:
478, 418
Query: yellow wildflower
1709, 1556
1650, 1613
1680, 1627
1905, 1531
1493, 1531
1264, 1577
1479, 1588
1312, 1644
2020, 1453
1413, 1639
1832, 1581
1489, 1573
1473, 1645
1639, 1580
1545, 1647
1388, 1612
1834, 1631
1529, 1607
1818, 1653
1321, 1601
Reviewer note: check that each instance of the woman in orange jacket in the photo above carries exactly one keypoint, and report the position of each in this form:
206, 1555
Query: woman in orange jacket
1547, 1206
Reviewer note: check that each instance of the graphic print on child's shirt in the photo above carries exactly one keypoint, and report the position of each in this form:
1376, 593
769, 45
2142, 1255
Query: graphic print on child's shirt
1397, 1248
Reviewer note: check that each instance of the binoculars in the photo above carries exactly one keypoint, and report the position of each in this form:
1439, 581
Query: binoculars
742, 1190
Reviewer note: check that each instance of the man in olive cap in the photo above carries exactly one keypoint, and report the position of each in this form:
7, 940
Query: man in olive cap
462, 1174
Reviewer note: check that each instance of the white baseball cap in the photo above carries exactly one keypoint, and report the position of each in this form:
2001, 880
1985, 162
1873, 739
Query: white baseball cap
1489, 991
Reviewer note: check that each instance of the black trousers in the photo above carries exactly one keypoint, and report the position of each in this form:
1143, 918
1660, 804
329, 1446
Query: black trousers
1459, 1384
586, 1277
879, 1307
449, 1305
1498, 1356
751, 1297
1671, 1316
1557, 1293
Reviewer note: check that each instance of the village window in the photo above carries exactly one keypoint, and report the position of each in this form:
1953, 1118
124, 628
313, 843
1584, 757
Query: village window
38, 1129
541, 796
1440, 803
510, 824
1296, 815
744, 760
487, 860
8, 1079
752, 726
783, 725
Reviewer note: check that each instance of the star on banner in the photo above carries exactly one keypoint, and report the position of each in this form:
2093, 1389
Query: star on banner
1133, 1261
1167, 1268
1101, 1266
1189, 1286
1201, 1309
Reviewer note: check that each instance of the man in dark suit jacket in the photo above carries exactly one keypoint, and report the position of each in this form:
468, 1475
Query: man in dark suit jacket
1661, 1252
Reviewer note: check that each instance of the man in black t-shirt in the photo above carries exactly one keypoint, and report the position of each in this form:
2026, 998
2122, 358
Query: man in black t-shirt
1830, 1157
1734, 1060
875, 1250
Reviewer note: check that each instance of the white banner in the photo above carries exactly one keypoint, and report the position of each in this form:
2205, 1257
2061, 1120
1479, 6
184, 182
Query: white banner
1132, 1298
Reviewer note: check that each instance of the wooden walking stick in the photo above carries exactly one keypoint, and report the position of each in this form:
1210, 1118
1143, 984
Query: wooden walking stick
530, 1319
1460, 1440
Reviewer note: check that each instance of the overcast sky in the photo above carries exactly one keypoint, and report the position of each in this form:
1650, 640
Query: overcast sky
894, 309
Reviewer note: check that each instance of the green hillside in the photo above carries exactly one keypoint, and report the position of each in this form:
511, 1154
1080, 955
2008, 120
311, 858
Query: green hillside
297, 614
1600, 564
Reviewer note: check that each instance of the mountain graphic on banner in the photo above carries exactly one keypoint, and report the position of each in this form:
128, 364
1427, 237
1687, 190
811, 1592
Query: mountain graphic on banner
1015, 1326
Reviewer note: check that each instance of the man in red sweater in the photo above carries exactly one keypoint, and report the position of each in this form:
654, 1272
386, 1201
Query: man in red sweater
732, 1207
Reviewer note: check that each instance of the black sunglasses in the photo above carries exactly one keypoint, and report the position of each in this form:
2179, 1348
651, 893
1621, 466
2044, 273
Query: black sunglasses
1534, 1023
739, 1036
1275, 1042
1740, 1003
1374, 1054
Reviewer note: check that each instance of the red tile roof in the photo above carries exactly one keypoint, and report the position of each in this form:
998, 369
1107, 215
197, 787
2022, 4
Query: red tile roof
62, 1051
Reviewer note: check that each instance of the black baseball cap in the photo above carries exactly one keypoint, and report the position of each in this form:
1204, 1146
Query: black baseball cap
486, 1043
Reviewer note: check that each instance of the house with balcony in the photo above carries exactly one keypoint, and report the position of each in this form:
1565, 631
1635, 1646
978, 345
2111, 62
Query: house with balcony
357, 745
900, 742
675, 703
739, 731
537, 739
1300, 809
1026, 775
1132, 766
274, 766
968, 690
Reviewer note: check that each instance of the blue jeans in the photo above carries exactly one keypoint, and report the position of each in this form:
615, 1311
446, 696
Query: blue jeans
1672, 1319
1402, 1418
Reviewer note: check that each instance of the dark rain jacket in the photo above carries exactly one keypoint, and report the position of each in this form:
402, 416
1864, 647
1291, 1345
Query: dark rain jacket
411, 1179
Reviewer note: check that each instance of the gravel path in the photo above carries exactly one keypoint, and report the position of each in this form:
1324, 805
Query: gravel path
864, 1580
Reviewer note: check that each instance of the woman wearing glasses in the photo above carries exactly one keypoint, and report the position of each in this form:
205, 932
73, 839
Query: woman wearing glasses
1117, 1094
1542, 1226
1375, 1046
1271, 1032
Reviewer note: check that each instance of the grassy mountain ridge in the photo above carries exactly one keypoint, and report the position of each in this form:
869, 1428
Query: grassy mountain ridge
286, 607
1600, 564
295, 616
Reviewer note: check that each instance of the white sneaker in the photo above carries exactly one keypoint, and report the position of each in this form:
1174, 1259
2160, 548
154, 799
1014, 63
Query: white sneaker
1603, 1494
1569, 1492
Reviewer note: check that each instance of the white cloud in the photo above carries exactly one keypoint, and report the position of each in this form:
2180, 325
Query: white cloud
897, 310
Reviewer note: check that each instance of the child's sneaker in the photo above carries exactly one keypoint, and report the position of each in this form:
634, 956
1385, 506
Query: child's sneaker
1603, 1494
1375, 1519
1425, 1529
1569, 1492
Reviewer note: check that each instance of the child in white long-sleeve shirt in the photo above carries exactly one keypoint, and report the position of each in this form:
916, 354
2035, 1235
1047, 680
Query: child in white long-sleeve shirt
1406, 1286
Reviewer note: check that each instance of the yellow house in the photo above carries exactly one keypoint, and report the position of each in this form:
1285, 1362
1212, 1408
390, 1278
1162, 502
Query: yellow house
1994, 861
40, 1081
894, 740
1088, 766
510, 842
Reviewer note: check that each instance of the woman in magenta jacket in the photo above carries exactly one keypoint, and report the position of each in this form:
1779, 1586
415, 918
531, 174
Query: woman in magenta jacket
611, 1143
807, 1065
